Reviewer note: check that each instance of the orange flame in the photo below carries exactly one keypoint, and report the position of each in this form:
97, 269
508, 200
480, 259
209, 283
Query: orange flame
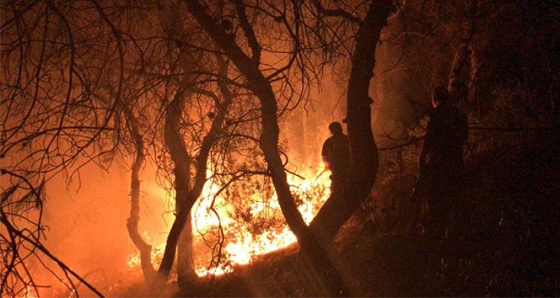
245, 245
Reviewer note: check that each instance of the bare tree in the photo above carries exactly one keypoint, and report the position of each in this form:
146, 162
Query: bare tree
246, 54
88, 105
55, 119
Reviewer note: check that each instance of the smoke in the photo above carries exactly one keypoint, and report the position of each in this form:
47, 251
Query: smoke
86, 213
305, 129
86, 218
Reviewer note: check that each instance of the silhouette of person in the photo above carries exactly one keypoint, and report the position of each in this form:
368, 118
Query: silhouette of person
440, 163
336, 156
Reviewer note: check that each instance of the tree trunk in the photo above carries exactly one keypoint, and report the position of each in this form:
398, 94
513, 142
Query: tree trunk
186, 273
187, 277
182, 162
339, 208
312, 249
132, 222
187, 191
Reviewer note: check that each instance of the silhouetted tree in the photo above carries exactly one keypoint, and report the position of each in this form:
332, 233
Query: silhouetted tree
55, 118
246, 53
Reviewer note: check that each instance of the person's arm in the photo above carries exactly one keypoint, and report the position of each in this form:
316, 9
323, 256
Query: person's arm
326, 162
324, 154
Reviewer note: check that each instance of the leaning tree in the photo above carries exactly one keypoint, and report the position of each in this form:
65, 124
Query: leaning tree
245, 42
183, 113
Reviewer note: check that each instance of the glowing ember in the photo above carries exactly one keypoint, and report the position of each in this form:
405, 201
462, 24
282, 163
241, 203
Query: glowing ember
243, 240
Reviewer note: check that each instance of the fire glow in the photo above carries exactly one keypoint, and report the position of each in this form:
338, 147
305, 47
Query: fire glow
241, 243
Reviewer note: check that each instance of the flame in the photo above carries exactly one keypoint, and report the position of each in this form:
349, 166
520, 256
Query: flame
156, 254
218, 270
241, 244
242, 251
29, 292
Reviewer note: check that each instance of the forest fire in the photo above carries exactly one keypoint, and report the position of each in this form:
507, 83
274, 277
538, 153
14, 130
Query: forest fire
113, 111
259, 230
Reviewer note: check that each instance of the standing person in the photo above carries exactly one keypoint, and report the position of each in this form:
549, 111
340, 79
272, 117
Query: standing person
336, 156
440, 163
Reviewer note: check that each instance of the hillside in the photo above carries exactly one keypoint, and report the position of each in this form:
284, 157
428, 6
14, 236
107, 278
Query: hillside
506, 244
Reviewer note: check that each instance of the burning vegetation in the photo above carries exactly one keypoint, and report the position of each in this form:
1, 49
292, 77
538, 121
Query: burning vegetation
174, 148
229, 233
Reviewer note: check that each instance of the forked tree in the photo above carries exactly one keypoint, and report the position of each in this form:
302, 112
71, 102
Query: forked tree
246, 50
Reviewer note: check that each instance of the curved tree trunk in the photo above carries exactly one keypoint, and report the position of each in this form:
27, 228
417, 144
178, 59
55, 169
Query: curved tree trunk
132, 222
311, 247
185, 265
180, 238
182, 162
187, 191
339, 208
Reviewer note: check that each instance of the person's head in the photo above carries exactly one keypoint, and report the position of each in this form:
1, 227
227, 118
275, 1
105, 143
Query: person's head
335, 128
440, 95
